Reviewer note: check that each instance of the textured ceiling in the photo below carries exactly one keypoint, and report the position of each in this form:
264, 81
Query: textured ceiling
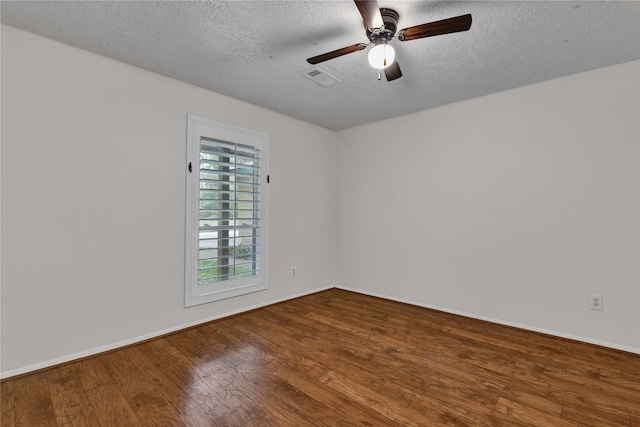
256, 50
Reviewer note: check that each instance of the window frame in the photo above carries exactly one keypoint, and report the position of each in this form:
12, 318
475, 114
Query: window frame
195, 293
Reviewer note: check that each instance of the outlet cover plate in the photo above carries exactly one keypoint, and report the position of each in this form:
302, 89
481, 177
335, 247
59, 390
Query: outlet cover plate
595, 302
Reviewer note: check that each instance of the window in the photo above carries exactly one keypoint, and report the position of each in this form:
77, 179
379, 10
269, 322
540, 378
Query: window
226, 236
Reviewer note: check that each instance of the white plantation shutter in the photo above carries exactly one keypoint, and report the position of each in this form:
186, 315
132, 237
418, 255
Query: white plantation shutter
229, 211
226, 209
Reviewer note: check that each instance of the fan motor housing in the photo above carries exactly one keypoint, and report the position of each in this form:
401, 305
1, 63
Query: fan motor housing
388, 30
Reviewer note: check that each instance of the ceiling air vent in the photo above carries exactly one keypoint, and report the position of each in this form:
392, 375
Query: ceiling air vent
320, 77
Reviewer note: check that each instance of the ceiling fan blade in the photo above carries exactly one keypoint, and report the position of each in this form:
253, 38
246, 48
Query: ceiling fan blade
393, 72
370, 12
446, 26
336, 53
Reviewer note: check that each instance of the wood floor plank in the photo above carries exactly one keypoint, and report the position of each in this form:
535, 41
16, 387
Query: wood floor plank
629, 398
344, 407
111, 407
599, 372
337, 358
263, 420
594, 406
144, 400
395, 411
351, 369
202, 376
590, 419
481, 332
7, 403
530, 385
92, 373
174, 391
200, 416
473, 392
70, 402
413, 338
302, 373
530, 416
33, 406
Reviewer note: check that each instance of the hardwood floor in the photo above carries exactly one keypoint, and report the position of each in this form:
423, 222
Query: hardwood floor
337, 358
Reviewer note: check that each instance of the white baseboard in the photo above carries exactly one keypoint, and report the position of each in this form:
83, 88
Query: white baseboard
499, 321
124, 343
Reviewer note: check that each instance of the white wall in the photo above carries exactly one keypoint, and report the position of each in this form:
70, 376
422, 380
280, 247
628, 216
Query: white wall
512, 207
93, 202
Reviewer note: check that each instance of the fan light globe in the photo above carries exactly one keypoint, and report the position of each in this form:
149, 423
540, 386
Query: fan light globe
379, 53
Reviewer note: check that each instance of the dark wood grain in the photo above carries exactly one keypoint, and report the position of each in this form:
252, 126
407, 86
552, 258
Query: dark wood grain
445, 26
70, 402
370, 12
33, 406
111, 407
336, 53
7, 403
337, 358
393, 72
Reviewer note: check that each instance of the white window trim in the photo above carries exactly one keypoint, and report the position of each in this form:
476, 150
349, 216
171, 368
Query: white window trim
196, 293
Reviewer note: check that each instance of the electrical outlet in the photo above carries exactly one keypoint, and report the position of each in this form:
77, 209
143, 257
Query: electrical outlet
293, 272
595, 302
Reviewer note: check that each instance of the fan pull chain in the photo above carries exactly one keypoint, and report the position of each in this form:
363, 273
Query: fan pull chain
378, 75
384, 55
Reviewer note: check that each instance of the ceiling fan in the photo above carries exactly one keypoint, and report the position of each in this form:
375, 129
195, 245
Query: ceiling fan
381, 25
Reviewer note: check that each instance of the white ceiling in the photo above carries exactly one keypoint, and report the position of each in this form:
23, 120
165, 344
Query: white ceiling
256, 50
